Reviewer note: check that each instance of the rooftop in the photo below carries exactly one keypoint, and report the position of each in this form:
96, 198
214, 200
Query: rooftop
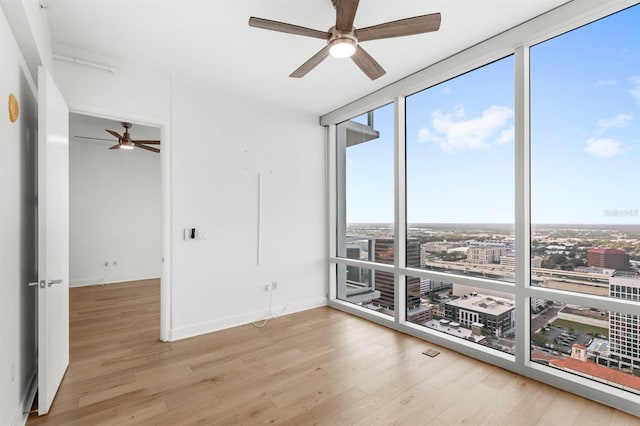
627, 281
453, 329
484, 304
585, 312
602, 250
598, 372
599, 345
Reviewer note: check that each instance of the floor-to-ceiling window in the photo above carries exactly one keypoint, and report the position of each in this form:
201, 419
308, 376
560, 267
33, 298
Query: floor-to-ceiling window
585, 200
459, 198
365, 230
495, 210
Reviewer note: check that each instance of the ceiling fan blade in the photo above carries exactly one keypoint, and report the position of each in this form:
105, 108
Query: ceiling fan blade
345, 14
115, 146
95, 139
147, 142
283, 27
367, 64
311, 63
148, 148
403, 27
115, 134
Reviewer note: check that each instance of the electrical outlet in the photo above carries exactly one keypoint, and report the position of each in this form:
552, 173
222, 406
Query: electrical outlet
274, 285
106, 263
13, 372
114, 263
267, 287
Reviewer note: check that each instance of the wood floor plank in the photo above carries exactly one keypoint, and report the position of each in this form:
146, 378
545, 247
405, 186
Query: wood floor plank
318, 367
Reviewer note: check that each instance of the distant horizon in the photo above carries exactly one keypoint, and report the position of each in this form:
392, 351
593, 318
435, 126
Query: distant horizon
494, 224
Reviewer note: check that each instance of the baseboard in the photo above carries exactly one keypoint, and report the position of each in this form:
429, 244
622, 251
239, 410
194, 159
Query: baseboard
20, 418
83, 282
242, 319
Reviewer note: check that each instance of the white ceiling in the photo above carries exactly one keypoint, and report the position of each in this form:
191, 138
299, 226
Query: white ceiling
210, 41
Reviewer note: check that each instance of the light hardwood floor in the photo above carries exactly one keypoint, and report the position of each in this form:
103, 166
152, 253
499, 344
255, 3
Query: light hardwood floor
317, 367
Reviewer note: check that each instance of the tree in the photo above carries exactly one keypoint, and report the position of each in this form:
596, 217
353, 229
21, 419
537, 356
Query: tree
454, 256
554, 261
539, 340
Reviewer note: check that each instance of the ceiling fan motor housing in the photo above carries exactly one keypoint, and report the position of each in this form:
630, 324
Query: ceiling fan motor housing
342, 44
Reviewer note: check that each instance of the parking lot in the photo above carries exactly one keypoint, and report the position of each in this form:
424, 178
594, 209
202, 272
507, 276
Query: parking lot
560, 339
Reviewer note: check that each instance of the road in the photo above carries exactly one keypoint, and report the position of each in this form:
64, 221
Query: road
545, 318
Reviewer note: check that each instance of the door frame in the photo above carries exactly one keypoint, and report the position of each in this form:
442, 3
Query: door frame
165, 177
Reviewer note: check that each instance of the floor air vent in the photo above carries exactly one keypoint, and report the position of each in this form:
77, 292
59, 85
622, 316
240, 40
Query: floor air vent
431, 352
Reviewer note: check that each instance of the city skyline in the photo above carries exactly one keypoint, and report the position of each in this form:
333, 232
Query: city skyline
585, 340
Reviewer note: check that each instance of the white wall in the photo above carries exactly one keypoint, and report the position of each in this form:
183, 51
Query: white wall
134, 93
18, 260
217, 144
29, 24
220, 143
114, 205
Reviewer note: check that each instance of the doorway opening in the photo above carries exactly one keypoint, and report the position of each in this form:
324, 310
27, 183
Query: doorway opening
115, 203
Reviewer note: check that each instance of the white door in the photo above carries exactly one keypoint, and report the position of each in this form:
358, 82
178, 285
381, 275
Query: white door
53, 239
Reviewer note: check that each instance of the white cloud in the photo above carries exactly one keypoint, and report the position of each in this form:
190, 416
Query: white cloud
447, 90
506, 136
425, 135
635, 90
453, 131
620, 120
605, 83
602, 147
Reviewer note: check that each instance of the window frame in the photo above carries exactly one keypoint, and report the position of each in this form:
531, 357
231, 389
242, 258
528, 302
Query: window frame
551, 24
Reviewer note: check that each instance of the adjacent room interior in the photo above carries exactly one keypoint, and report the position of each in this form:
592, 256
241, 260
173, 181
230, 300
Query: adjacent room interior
115, 207
335, 212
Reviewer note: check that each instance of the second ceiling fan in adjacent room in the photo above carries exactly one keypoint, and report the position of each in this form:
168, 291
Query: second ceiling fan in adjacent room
125, 141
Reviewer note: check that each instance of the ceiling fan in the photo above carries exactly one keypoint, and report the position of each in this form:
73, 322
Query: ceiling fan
125, 141
343, 40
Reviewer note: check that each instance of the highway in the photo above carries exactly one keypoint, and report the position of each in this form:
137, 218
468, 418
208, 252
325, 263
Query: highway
582, 282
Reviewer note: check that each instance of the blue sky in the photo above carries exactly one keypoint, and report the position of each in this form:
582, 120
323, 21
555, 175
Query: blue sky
585, 138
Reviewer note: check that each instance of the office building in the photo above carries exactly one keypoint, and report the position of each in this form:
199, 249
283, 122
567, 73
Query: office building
508, 260
624, 327
608, 258
494, 313
384, 281
484, 254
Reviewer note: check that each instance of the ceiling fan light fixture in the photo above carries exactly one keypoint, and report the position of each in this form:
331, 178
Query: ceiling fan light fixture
126, 145
342, 47
343, 39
